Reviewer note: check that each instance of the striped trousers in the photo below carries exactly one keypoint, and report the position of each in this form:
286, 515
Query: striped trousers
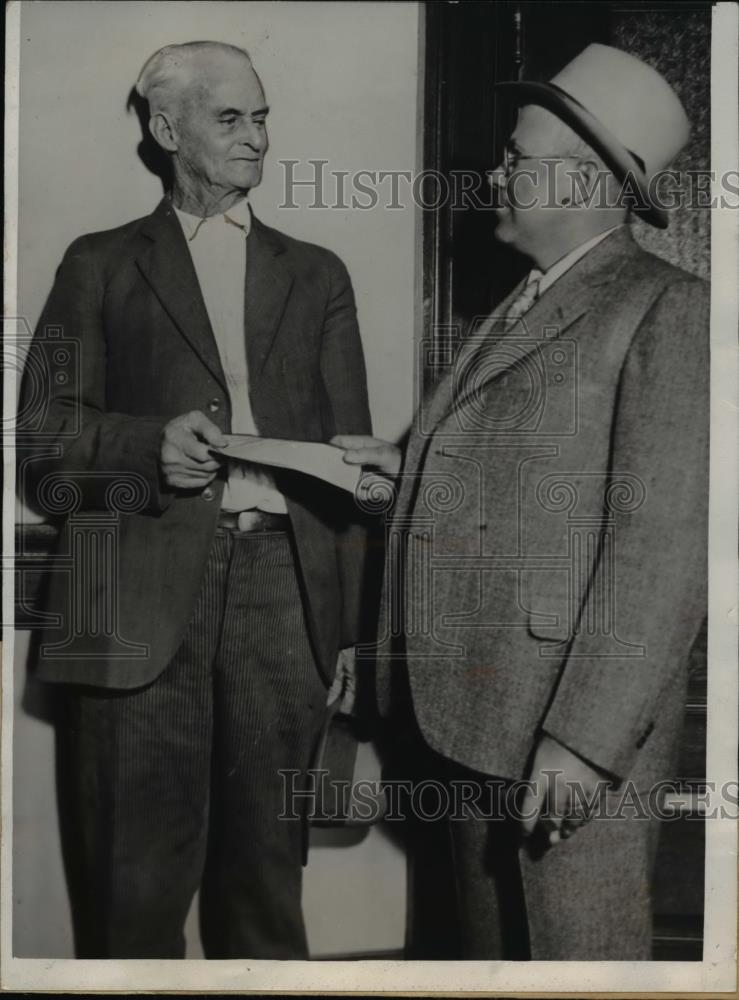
177, 784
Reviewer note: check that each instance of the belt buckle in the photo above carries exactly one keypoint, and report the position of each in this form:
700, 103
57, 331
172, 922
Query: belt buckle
248, 520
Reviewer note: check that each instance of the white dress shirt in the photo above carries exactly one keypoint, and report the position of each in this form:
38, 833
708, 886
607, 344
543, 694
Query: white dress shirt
218, 250
536, 282
558, 268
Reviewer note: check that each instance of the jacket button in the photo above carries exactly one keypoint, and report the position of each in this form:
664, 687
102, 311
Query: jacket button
214, 405
208, 493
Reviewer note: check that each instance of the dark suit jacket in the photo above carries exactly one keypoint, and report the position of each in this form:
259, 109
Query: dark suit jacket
554, 510
132, 555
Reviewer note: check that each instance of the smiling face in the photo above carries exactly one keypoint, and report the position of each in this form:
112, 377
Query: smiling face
219, 131
531, 213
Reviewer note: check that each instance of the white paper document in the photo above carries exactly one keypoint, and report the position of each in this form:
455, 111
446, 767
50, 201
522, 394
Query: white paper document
312, 458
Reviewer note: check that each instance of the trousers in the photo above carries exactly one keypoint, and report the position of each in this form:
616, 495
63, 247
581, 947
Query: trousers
178, 785
482, 891
586, 899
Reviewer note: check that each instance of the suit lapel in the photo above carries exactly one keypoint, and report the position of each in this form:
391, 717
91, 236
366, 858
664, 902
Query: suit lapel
167, 266
269, 280
561, 305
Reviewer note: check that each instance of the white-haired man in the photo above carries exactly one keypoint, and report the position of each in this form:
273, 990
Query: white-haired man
552, 514
233, 591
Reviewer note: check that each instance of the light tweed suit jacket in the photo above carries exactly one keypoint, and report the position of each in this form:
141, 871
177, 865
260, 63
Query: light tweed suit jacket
547, 551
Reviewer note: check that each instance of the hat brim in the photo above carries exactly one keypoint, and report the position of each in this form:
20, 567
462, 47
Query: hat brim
616, 156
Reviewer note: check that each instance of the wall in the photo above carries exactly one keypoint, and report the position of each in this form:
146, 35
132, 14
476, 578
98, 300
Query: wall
678, 48
341, 80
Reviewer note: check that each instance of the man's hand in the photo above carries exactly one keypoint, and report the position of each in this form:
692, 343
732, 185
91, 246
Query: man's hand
554, 773
186, 461
374, 455
344, 687
369, 452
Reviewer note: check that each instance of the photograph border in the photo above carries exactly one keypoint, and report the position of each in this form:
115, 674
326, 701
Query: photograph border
717, 972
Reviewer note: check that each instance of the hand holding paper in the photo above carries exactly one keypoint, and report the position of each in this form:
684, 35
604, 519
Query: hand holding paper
186, 451
380, 460
370, 452
312, 458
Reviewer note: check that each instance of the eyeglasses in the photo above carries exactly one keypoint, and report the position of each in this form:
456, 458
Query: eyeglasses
512, 158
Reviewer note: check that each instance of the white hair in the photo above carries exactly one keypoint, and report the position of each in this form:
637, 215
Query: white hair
169, 72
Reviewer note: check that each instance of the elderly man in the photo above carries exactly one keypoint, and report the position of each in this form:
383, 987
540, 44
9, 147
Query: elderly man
230, 592
551, 531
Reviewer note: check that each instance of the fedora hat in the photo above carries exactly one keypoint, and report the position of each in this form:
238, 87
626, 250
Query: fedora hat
626, 112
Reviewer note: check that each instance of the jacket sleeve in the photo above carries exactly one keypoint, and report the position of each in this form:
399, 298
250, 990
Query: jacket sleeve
345, 379
75, 436
605, 702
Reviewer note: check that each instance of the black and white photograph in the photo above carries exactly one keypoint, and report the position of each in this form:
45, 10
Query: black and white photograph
370, 497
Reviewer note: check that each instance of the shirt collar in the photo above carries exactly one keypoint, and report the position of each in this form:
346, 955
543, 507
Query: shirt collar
240, 214
565, 263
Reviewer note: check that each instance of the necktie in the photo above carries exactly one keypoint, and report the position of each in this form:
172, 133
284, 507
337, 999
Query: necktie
475, 365
525, 298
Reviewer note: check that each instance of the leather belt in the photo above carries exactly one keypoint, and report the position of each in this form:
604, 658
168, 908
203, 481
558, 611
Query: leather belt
253, 520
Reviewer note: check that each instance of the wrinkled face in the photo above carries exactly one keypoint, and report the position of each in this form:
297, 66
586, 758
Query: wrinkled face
221, 126
538, 176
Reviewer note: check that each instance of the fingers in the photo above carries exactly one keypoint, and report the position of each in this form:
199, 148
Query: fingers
187, 480
194, 434
188, 454
368, 455
571, 824
554, 831
532, 806
537, 816
199, 454
334, 692
565, 825
355, 441
544, 794
186, 459
552, 803
349, 694
344, 686
369, 452
206, 430
549, 806
564, 790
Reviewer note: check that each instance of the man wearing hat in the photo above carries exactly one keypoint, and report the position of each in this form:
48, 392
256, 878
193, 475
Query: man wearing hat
549, 533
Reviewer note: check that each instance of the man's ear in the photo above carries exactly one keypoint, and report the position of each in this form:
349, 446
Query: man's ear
162, 128
584, 190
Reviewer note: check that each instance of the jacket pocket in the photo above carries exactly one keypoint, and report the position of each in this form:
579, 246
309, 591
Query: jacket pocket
545, 595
